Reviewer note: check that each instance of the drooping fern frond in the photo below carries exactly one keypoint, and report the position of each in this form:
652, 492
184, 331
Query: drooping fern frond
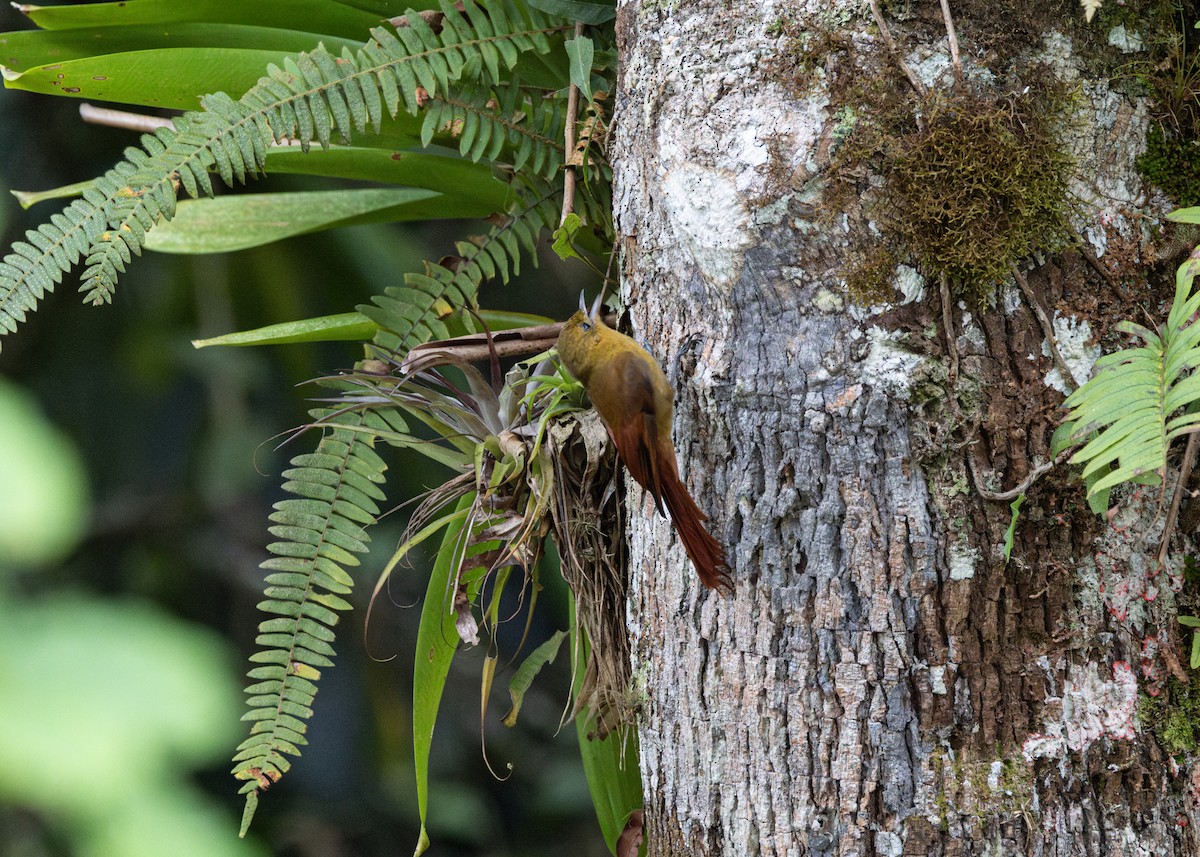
489, 122
414, 312
1140, 399
320, 530
306, 100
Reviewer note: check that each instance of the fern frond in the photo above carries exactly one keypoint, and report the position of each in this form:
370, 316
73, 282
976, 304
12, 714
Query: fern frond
1142, 398
54, 248
307, 100
320, 530
415, 312
488, 123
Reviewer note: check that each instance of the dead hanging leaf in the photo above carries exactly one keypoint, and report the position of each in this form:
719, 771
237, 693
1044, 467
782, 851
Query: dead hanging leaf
630, 839
454, 264
508, 526
464, 622
511, 444
432, 18
593, 133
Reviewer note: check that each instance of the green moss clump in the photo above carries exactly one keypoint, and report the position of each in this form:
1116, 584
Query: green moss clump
869, 277
1172, 163
981, 185
1170, 72
1174, 715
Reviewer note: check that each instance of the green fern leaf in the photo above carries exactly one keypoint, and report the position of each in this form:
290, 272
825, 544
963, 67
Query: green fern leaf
321, 530
1141, 398
414, 312
493, 122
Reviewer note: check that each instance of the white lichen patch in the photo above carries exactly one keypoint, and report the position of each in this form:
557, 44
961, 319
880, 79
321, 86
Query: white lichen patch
732, 158
888, 844
1074, 340
1091, 708
888, 366
937, 680
962, 559
827, 301
709, 219
1058, 53
995, 773
908, 282
750, 152
1126, 41
933, 65
1010, 298
1105, 137
971, 338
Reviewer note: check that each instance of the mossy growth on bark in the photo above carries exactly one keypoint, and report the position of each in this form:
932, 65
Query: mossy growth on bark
980, 184
1172, 163
869, 276
1171, 74
1161, 60
1174, 715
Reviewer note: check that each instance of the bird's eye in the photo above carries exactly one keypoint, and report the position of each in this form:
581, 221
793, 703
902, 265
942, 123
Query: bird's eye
585, 325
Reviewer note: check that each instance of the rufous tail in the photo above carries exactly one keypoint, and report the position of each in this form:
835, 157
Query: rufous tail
705, 552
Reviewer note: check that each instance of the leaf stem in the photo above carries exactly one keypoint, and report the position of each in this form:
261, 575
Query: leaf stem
568, 205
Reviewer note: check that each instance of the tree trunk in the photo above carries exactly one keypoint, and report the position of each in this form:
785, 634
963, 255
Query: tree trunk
883, 682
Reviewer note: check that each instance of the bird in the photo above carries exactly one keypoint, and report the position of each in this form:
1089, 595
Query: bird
636, 403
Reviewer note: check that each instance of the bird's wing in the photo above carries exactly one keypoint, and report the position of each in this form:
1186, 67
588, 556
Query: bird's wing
631, 414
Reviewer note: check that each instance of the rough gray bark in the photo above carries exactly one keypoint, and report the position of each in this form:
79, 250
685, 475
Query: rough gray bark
882, 683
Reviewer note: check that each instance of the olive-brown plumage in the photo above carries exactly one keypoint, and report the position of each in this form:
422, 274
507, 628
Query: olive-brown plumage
632, 396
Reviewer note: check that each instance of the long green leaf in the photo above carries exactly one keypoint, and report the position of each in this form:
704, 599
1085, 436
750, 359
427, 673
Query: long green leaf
389, 8
457, 178
27, 198
164, 77
348, 327
319, 16
578, 10
345, 326
581, 51
611, 766
437, 641
24, 49
527, 672
1185, 215
226, 223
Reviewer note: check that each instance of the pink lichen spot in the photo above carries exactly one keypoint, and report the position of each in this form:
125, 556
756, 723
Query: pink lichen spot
1092, 709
